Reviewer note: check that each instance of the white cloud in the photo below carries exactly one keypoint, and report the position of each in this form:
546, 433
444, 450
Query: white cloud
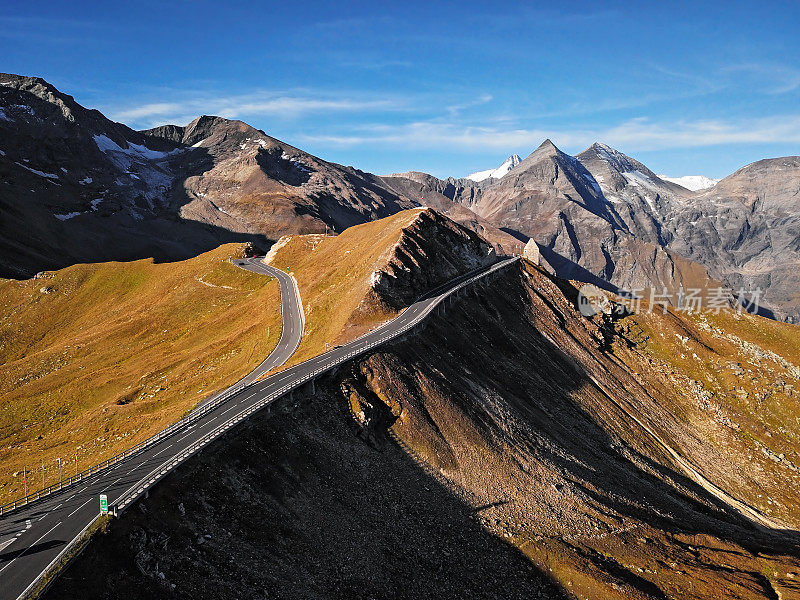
635, 134
647, 135
146, 110
257, 103
454, 109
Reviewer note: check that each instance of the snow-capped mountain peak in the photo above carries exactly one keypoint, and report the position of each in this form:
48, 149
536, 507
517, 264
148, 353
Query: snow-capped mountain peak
508, 164
692, 182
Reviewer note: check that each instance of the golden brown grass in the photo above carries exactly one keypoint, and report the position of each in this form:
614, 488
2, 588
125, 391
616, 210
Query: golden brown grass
736, 383
333, 274
114, 352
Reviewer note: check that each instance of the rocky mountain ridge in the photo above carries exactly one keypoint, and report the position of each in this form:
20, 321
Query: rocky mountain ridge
605, 215
77, 187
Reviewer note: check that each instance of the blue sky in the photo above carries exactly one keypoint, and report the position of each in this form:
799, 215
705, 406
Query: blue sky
443, 87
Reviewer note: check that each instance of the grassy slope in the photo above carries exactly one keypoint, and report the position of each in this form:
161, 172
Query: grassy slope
734, 379
551, 463
333, 274
116, 351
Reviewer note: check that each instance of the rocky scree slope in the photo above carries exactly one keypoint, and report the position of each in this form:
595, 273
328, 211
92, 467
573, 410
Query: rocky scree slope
509, 424
77, 187
362, 277
603, 216
561, 432
431, 251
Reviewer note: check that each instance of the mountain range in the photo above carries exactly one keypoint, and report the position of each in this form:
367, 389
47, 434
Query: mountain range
507, 446
77, 187
605, 217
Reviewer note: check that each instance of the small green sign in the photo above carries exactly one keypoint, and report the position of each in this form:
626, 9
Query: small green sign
103, 504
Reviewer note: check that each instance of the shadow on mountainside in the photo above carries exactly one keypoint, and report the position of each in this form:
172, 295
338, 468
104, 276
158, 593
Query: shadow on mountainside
522, 371
568, 269
32, 239
297, 506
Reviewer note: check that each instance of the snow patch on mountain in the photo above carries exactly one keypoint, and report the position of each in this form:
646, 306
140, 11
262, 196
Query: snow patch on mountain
296, 163
36, 172
692, 182
67, 216
592, 182
637, 178
508, 164
109, 146
147, 169
618, 161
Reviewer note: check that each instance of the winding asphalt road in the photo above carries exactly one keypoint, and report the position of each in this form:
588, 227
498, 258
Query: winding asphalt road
36, 536
293, 323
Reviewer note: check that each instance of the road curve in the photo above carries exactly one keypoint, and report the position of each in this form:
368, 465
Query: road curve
292, 319
42, 532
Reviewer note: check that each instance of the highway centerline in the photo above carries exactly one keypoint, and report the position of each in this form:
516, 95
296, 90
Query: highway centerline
164, 450
29, 547
80, 507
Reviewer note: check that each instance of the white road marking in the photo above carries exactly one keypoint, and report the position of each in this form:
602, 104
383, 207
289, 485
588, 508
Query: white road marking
16, 535
162, 451
29, 547
229, 410
80, 507
112, 483
183, 437
7, 543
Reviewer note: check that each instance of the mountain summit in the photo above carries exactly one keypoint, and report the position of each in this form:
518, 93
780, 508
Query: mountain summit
508, 164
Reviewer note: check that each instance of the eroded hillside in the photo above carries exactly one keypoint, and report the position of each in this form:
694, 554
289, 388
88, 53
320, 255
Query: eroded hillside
512, 448
364, 276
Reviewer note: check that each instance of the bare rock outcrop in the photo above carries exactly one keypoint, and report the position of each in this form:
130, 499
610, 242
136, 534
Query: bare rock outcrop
432, 250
